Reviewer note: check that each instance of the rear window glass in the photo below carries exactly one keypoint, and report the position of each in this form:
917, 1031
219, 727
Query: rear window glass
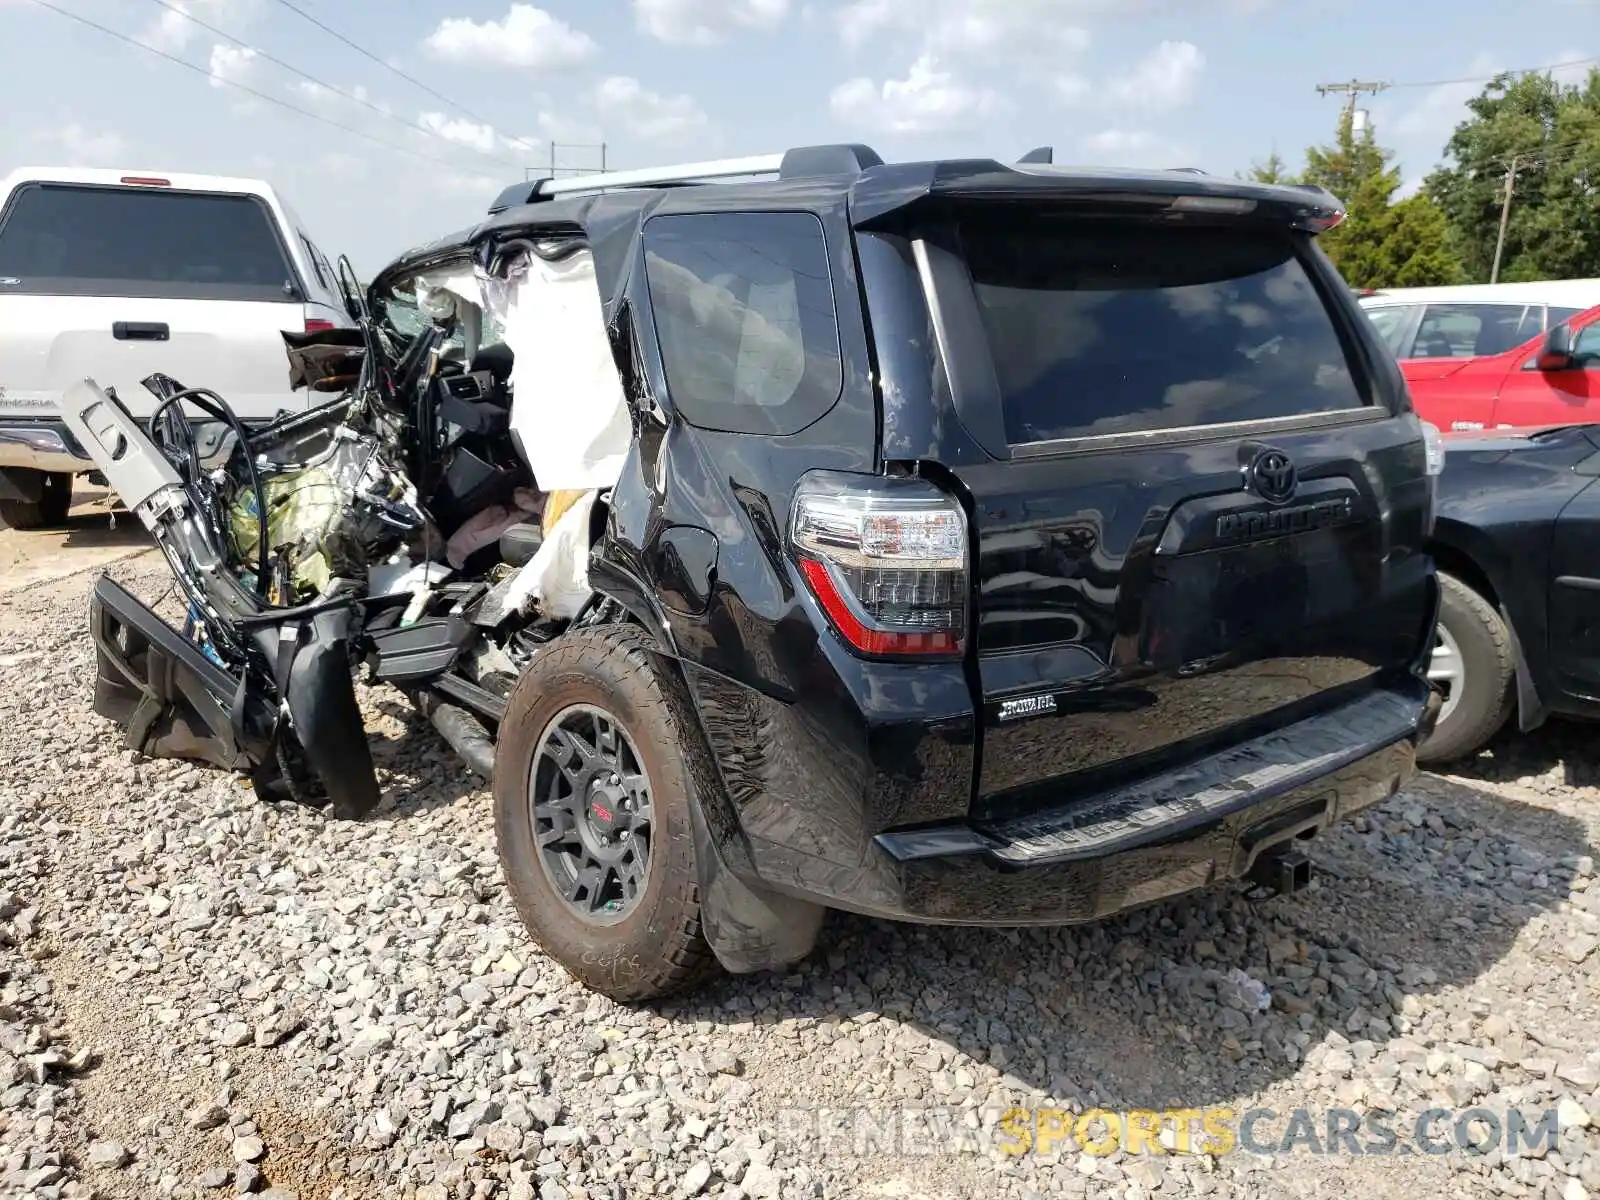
1101, 328
93, 241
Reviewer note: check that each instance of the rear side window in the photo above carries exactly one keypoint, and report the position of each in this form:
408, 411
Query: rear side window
319, 263
1107, 327
745, 319
1470, 330
1391, 322
63, 240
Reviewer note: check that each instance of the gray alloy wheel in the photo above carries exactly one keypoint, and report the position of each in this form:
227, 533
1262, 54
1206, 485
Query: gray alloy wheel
589, 800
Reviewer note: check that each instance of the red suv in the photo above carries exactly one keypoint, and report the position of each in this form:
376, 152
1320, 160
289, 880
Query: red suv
1550, 379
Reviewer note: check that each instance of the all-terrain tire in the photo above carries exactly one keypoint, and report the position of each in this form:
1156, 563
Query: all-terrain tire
55, 499
657, 947
1488, 672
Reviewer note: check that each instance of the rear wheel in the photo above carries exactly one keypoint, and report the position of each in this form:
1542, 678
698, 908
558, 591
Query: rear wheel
591, 800
55, 498
1473, 665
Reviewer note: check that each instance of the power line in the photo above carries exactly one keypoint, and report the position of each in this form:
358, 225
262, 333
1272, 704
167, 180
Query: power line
1561, 66
338, 91
367, 54
199, 70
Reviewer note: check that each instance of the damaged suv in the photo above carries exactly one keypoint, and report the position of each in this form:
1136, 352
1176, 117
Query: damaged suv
952, 542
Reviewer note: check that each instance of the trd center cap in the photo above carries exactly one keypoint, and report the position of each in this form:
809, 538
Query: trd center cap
605, 806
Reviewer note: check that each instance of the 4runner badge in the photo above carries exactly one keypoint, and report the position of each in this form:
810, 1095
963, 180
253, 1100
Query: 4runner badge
1026, 706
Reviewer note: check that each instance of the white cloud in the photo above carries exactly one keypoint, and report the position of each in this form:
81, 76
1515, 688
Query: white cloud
1133, 148
1573, 66
485, 139
173, 30
356, 108
430, 133
525, 37
563, 128
77, 145
706, 22
649, 116
988, 30
927, 100
1165, 78
231, 64
1442, 108
481, 138
1067, 88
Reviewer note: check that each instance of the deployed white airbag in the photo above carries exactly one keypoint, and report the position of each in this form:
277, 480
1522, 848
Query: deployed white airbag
569, 415
556, 578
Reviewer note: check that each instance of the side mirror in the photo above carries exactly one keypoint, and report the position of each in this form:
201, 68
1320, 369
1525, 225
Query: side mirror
1556, 353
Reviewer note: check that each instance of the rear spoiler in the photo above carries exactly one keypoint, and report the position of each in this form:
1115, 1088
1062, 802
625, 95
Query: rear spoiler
889, 192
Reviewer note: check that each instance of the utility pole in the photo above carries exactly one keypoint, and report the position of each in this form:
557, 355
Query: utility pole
1354, 89
1505, 218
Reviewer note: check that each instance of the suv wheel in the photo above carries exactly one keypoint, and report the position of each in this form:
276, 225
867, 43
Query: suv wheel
1473, 665
55, 498
591, 806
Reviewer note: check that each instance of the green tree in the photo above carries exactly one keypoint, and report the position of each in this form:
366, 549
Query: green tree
1416, 250
1379, 243
1550, 134
1274, 170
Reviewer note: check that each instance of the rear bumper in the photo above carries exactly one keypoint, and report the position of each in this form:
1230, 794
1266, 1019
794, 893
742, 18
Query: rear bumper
41, 446
48, 445
1202, 824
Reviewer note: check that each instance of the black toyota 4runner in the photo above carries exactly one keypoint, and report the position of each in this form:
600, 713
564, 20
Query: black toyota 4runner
994, 544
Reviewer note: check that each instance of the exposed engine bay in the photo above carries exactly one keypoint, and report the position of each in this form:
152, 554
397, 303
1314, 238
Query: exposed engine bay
430, 521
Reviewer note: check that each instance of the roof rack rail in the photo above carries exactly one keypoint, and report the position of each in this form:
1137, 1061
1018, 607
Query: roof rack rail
679, 174
847, 159
800, 162
518, 193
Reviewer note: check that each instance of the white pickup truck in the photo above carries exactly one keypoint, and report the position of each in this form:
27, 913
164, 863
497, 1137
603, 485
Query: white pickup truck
118, 274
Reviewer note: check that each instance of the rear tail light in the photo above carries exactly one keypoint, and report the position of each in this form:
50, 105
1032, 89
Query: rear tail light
1433, 448
887, 561
1320, 220
145, 181
317, 325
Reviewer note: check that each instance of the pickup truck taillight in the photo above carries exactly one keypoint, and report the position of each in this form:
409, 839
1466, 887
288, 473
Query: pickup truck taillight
886, 559
1433, 448
317, 325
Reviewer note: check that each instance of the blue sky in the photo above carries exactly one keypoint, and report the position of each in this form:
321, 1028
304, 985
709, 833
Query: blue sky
1208, 83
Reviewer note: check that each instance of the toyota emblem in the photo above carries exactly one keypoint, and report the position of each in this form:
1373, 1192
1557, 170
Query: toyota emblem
1272, 476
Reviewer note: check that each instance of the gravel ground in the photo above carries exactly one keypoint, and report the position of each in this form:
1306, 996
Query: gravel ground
203, 995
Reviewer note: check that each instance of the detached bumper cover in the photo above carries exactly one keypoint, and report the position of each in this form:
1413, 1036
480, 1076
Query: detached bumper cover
1168, 833
174, 702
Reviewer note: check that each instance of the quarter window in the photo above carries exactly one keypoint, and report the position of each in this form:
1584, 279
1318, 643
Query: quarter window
1390, 321
745, 319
